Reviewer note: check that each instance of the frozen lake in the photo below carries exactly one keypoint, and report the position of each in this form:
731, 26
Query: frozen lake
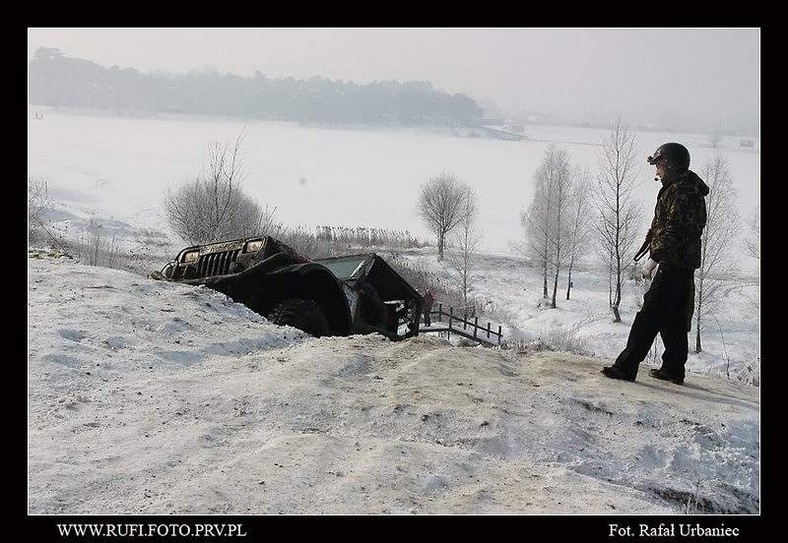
120, 167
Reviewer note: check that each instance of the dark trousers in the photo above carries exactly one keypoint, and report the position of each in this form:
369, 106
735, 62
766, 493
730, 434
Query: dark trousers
667, 310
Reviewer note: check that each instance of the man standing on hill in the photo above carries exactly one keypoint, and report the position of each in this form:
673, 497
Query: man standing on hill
674, 244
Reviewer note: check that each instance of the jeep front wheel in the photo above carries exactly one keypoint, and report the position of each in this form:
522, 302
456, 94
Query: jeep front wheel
306, 315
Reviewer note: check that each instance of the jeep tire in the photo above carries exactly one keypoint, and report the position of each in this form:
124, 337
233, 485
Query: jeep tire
306, 315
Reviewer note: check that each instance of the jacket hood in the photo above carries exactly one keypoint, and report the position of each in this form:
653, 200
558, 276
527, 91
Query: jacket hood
692, 177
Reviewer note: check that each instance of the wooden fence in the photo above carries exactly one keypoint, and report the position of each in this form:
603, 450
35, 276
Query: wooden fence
459, 324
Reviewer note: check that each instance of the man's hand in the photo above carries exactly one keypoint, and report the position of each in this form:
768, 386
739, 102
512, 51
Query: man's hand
648, 269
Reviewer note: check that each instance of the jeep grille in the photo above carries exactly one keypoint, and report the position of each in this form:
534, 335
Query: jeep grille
216, 263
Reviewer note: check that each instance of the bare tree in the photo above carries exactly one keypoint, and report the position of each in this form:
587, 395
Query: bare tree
580, 220
617, 210
560, 183
465, 239
37, 202
753, 240
538, 220
213, 206
722, 224
39, 228
536, 246
442, 201
547, 223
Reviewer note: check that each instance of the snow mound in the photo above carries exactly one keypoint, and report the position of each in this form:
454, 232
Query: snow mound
160, 398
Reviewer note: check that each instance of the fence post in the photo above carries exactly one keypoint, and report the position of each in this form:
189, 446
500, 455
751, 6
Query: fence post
440, 312
488, 329
475, 325
499, 334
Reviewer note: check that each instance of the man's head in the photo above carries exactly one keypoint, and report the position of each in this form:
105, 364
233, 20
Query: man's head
670, 158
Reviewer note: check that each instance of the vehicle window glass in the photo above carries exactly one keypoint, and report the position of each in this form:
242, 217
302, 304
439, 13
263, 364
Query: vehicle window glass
343, 268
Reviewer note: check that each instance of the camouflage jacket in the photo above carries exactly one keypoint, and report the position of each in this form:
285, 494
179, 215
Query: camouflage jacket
679, 219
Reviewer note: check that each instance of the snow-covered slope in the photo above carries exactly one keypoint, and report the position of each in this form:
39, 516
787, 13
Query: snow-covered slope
151, 397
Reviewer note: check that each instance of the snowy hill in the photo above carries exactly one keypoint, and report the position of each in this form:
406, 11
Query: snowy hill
158, 398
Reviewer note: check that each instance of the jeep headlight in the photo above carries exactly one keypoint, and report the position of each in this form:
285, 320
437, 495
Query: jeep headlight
254, 246
191, 256
167, 270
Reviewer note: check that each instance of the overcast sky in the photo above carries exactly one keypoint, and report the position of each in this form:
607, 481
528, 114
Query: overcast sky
704, 75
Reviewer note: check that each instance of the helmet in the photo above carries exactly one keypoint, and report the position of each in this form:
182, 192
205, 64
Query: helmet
676, 155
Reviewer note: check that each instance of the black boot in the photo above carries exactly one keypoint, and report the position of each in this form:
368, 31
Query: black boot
615, 373
660, 374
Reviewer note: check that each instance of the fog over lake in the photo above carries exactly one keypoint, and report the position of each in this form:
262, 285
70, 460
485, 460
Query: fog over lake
105, 165
691, 79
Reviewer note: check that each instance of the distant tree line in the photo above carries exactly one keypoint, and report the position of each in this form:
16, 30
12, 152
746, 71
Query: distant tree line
61, 81
362, 236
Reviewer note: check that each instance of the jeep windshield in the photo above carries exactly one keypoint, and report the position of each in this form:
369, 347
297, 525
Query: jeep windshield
345, 267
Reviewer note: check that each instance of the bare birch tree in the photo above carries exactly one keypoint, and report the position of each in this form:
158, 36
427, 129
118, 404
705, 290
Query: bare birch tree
465, 239
537, 221
618, 211
213, 207
580, 222
717, 242
547, 222
560, 194
536, 246
441, 203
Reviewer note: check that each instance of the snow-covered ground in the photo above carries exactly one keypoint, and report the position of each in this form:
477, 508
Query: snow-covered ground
152, 397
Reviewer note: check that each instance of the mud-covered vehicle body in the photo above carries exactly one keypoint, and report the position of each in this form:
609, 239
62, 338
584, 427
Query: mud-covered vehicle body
355, 294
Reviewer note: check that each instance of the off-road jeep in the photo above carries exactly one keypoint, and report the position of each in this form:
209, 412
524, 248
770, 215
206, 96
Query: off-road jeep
355, 294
